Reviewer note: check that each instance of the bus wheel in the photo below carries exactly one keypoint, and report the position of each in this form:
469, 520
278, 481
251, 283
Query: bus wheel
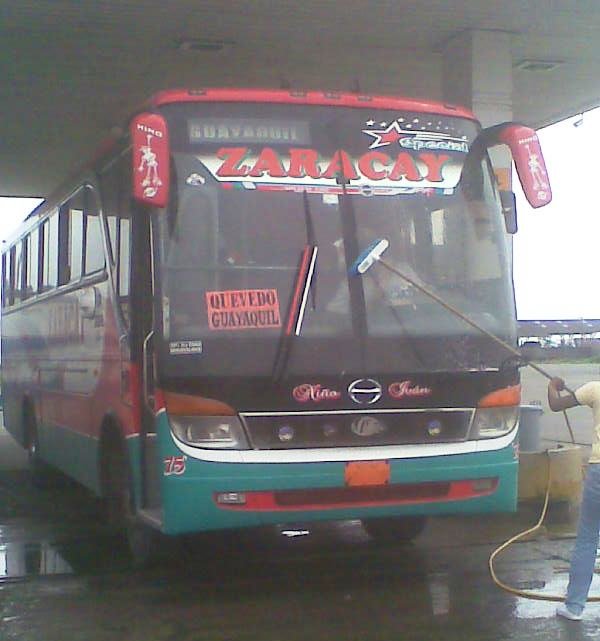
398, 529
120, 508
40, 472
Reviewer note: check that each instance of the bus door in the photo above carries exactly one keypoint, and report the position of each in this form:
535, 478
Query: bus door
149, 177
142, 352
129, 231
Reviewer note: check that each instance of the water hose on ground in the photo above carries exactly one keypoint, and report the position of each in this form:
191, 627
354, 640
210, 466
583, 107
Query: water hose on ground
538, 596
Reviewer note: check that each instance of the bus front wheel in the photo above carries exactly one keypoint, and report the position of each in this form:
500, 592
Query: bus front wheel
398, 529
120, 507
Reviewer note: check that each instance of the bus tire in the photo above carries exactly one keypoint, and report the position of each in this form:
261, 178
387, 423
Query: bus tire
40, 472
120, 505
396, 529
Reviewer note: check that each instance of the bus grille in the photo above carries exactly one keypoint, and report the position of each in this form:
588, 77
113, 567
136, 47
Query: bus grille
356, 429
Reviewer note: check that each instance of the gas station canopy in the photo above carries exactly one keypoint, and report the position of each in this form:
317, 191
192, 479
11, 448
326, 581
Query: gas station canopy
72, 70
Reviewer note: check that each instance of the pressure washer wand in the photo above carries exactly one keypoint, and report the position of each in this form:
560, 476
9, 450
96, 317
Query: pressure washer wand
473, 324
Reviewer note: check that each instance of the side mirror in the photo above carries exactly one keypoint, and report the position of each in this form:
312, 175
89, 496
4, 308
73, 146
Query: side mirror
151, 166
527, 155
509, 210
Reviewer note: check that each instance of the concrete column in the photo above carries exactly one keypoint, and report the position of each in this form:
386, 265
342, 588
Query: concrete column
477, 73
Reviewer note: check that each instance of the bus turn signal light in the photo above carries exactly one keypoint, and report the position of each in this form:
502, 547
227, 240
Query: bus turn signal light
189, 405
502, 397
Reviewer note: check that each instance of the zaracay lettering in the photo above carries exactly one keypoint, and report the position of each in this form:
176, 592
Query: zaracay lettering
404, 388
306, 163
314, 392
243, 309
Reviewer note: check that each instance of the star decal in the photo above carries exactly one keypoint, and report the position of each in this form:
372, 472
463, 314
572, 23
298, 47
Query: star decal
384, 137
414, 128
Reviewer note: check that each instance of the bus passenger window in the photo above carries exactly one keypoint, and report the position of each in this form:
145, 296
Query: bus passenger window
94, 247
50, 252
111, 223
4, 281
31, 286
75, 242
24, 266
123, 267
72, 227
11, 276
115, 182
112, 184
18, 272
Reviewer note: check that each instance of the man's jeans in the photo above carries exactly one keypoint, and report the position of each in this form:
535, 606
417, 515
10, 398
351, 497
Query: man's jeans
584, 554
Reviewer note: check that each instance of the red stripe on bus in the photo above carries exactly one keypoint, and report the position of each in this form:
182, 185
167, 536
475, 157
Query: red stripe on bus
306, 98
371, 496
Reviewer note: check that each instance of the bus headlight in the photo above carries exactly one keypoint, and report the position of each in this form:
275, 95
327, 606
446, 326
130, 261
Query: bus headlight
491, 422
215, 432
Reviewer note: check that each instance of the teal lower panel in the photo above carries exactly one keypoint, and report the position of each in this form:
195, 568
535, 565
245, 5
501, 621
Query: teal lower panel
134, 449
75, 454
189, 506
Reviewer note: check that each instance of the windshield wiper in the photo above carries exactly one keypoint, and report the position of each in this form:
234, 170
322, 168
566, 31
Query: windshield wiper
302, 286
296, 308
311, 240
303, 283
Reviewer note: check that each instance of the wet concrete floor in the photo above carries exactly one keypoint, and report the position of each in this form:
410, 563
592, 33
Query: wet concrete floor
62, 578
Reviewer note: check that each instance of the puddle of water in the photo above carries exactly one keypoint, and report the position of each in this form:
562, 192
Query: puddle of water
22, 558
19, 560
555, 584
439, 591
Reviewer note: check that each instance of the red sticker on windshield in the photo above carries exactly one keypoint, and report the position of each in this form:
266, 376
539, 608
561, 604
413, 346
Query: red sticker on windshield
243, 309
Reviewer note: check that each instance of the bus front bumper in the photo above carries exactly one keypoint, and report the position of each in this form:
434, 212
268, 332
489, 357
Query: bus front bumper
201, 495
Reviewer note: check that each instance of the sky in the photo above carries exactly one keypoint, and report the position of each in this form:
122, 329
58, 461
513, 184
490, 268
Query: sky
556, 248
555, 251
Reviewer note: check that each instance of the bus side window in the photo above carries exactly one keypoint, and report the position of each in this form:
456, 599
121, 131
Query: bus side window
111, 222
109, 196
11, 275
50, 252
17, 272
31, 283
115, 183
24, 267
94, 248
4, 280
124, 266
71, 239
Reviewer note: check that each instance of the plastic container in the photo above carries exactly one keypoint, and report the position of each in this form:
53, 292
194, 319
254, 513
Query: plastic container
566, 474
530, 428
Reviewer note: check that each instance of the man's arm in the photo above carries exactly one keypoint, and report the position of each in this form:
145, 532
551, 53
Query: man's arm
557, 402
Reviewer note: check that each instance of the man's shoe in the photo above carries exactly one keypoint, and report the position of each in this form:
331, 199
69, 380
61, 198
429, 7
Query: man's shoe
563, 611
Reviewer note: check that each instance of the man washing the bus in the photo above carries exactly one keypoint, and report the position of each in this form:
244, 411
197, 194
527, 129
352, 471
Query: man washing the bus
583, 559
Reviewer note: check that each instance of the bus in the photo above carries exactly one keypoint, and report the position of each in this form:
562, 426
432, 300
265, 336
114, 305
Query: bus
185, 334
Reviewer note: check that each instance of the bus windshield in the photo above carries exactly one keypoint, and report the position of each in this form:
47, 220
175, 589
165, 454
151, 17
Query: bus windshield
271, 205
